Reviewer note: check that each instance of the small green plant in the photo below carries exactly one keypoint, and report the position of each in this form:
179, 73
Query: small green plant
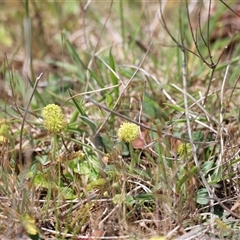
128, 132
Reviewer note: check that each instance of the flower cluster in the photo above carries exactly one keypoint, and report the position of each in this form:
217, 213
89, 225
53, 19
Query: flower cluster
4, 131
184, 150
128, 132
54, 119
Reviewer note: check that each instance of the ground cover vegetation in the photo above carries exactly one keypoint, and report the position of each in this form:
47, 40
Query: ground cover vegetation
119, 119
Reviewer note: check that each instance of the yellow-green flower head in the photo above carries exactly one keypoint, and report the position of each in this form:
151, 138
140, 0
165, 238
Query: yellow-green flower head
128, 132
184, 150
53, 118
4, 131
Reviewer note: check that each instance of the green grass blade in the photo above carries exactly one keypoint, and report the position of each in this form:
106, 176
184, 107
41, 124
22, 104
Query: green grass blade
114, 78
96, 78
84, 116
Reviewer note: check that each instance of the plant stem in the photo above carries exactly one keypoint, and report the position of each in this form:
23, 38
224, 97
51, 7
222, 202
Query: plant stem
132, 156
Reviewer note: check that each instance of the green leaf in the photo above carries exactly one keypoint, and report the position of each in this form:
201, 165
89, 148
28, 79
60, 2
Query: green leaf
202, 196
207, 166
78, 105
144, 196
110, 100
216, 176
175, 107
98, 80
148, 107
198, 136
128, 199
89, 122
75, 58
67, 193
83, 116
69, 67
113, 76
40, 181
185, 176
96, 184
74, 116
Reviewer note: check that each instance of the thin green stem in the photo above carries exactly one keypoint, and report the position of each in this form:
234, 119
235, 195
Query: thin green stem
132, 156
27, 8
55, 148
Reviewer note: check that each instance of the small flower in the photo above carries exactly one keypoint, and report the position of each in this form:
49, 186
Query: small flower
4, 131
53, 118
128, 132
184, 150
